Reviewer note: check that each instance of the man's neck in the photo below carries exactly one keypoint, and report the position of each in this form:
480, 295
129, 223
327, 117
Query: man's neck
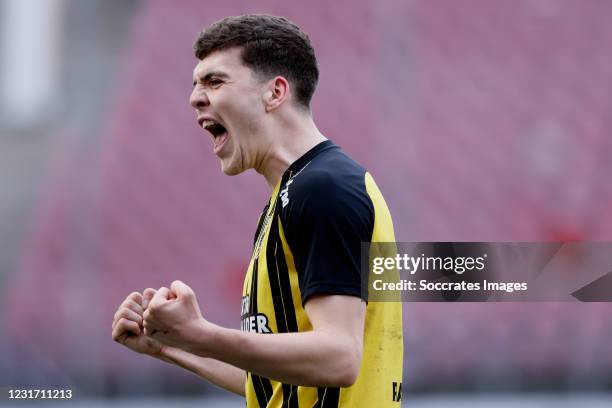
293, 144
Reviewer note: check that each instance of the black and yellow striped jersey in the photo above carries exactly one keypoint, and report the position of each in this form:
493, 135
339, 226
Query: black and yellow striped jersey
308, 241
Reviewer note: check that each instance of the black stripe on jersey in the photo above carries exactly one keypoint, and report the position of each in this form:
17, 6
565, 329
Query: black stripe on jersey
263, 389
290, 396
262, 386
253, 290
280, 286
260, 223
328, 397
286, 320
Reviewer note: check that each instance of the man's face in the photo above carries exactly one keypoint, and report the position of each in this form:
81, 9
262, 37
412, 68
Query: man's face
229, 106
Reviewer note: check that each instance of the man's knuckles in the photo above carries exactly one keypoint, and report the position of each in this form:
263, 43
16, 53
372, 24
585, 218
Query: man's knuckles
132, 305
128, 325
148, 318
125, 313
147, 295
156, 309
123, 328
136, 297
178, 289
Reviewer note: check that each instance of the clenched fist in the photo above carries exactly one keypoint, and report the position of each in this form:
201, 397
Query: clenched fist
128, 324
173, 316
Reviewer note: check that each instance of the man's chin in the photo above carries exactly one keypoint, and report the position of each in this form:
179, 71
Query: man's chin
230, 169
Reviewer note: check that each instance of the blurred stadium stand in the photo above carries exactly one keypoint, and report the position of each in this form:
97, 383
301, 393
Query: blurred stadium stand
480, 120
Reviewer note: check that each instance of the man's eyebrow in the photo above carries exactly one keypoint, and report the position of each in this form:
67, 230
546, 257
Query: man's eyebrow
210, 75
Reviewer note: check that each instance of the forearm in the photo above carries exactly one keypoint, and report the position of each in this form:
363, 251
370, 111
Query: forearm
217, 372
314, 358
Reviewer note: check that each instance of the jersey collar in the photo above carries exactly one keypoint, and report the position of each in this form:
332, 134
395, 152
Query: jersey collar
306, 158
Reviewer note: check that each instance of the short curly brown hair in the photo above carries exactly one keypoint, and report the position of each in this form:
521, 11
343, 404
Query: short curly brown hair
270, 46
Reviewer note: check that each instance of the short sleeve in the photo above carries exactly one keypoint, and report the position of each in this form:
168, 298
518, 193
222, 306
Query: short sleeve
325, 221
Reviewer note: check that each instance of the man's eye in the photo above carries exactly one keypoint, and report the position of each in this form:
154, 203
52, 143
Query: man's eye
214, 82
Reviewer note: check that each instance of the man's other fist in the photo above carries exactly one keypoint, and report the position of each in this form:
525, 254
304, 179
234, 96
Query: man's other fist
173, 315
128, 324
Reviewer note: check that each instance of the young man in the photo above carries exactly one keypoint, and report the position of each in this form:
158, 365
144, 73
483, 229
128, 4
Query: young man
308, 336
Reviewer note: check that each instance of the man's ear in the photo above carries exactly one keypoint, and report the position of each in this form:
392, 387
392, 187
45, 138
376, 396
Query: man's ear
276, 93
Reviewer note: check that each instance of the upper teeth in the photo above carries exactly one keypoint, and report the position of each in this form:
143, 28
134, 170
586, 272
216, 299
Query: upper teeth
207, 123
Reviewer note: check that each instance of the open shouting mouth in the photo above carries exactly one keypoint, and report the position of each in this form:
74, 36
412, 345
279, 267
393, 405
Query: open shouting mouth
218, 132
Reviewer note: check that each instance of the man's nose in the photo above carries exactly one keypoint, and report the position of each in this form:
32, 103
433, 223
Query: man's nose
198, 98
